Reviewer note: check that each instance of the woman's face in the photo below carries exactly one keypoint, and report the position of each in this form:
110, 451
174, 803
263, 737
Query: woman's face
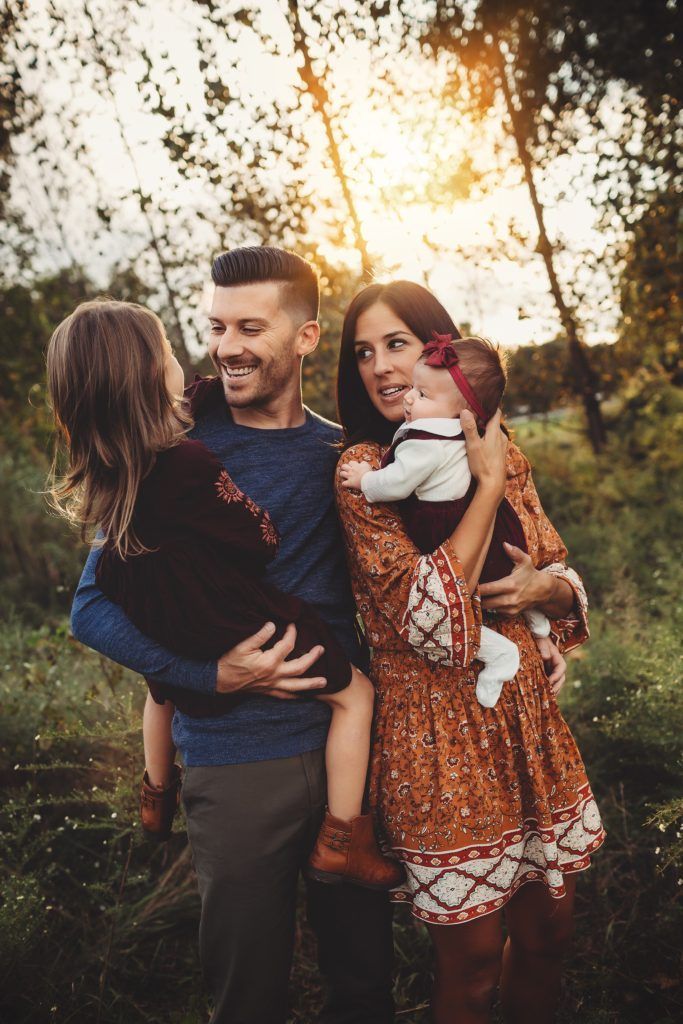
386, 352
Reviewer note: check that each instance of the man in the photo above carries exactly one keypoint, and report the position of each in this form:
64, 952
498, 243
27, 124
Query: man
254, 788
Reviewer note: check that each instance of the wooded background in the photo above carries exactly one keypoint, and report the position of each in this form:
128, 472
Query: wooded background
521, 159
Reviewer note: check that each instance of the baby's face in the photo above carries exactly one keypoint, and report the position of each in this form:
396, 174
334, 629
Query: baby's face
434, 395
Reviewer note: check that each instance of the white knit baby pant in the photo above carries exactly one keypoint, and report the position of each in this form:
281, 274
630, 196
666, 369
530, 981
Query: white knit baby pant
501, 663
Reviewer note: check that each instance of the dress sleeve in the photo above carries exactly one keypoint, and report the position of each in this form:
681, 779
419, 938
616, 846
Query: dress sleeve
413, 462
209, 503
571, 631
423, 598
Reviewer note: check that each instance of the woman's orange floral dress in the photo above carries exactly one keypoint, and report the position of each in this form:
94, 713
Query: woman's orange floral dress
475, 801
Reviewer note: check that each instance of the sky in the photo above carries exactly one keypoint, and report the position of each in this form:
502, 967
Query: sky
457, 246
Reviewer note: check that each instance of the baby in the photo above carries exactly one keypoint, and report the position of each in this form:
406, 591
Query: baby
426, 469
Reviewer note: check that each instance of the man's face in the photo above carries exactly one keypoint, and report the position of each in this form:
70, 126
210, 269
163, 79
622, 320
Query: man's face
253, 343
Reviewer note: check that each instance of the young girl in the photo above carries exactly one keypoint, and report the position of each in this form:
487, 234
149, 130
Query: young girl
185, 553
426, 470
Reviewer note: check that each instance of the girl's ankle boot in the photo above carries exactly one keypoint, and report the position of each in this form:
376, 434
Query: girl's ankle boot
158, 805
347, 851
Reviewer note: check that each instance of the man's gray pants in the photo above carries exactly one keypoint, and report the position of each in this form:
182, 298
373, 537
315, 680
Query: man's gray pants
251, 829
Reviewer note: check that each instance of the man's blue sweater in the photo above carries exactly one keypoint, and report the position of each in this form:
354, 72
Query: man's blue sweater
290, 473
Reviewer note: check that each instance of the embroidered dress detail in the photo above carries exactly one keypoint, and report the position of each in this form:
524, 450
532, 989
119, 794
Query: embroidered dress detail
228, 491
459, 885
474, 800
435, 610
269, 531
564, 631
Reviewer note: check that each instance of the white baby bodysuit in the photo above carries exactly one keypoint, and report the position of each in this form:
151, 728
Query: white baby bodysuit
432, 469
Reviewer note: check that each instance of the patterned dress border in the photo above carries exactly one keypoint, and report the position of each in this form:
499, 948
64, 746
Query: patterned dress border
451, 887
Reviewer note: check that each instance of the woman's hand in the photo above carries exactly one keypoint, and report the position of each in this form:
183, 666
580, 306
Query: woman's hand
554, 665
486, 455
525, 587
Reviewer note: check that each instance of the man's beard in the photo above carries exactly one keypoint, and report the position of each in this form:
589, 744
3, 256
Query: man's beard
263, 385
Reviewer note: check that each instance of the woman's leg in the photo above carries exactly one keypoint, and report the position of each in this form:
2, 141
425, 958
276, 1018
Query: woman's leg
466, 970
348, 746
159, 748
540, 929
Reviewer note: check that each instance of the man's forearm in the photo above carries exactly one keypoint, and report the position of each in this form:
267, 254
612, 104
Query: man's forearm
99, 623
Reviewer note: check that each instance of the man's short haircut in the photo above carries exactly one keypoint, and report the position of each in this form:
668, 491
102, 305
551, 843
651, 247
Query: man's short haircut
255, 263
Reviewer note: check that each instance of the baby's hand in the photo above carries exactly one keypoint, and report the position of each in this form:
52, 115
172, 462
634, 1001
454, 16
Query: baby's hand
554, 665
353, 472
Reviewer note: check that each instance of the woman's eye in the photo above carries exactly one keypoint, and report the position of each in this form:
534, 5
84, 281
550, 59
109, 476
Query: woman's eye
396, 343
216, 329
362, 353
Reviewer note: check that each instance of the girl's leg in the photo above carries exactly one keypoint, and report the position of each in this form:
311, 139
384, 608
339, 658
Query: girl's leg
159, 748
466, 970
348, 746
540, 929
346, 848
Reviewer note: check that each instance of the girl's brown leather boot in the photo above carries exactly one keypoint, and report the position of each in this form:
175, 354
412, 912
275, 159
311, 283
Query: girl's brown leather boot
347, 851
159, 804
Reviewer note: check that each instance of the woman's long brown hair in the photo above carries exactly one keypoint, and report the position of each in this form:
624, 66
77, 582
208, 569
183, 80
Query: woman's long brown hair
113, 413
422, 313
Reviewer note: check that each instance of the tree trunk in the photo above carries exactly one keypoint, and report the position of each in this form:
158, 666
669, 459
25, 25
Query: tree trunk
183, 353
586, 381
316, 89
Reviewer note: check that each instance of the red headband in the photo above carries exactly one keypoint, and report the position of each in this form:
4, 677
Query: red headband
441, 352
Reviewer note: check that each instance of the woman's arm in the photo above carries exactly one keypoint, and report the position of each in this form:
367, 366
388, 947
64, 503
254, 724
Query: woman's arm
528, 587
486, 457
424, 598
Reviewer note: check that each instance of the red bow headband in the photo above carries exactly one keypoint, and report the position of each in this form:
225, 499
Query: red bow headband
441, 352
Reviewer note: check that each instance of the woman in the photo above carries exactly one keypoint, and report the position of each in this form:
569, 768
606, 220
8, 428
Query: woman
475, 801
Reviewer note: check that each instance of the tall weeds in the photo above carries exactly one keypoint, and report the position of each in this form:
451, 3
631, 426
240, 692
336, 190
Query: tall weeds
97, 927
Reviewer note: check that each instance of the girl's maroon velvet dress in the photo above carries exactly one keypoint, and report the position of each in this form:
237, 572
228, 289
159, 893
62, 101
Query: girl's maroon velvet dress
201, 588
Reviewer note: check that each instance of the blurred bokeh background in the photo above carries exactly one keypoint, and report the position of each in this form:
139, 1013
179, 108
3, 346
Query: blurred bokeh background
522, 159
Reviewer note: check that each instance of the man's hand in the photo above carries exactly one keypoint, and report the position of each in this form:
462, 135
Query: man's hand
525, 587
247, 668
553, 663
351, 473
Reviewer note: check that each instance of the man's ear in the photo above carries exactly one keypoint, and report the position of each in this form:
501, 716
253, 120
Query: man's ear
307, 338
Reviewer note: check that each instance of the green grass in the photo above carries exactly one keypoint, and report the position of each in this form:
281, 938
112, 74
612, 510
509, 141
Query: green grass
96, 926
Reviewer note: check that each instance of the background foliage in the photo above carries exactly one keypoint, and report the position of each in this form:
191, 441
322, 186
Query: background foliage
95, 925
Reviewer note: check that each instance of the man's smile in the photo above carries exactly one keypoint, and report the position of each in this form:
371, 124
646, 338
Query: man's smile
236, 372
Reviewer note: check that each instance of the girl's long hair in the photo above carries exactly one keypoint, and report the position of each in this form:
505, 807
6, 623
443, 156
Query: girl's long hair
422, 313
113, 413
